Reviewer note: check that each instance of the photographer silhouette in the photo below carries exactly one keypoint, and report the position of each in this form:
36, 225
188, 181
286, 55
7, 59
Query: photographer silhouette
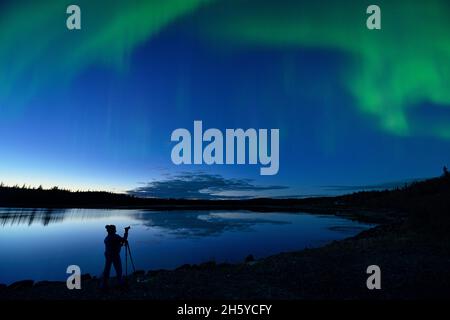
113, 245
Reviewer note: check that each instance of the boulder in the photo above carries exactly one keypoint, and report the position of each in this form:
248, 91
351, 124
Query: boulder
86, 277
46, 283
139, 273
207, 265
184, 267
249, 258
23, 284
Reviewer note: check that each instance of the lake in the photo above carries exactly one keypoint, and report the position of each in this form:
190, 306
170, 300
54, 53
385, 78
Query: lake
39, 244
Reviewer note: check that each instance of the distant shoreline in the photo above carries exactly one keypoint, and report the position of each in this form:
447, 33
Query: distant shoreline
381, 206
355, 213
346, 206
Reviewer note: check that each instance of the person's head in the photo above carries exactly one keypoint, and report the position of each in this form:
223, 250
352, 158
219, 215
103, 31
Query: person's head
110, 228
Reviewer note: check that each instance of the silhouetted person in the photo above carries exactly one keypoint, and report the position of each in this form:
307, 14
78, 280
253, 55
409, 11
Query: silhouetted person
113, 244
446, 173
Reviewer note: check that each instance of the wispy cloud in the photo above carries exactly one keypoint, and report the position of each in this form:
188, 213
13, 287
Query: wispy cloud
201, 185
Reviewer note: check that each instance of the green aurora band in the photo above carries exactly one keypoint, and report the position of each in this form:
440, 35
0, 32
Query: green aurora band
399, 67
38, 50
390, 71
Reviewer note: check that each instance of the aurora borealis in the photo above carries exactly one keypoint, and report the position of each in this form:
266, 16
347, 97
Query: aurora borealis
94, 108
389, 72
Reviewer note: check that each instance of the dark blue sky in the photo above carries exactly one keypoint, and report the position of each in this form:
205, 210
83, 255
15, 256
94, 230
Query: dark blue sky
109, 127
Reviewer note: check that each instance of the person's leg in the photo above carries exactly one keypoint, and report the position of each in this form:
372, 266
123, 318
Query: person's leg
118, 267
107, 270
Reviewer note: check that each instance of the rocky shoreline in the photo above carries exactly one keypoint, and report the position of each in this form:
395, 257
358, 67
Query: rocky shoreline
413, 265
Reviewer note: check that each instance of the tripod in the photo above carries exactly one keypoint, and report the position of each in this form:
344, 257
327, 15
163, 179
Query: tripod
128, 253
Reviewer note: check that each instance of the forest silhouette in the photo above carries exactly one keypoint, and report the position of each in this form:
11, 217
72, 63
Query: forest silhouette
426, 201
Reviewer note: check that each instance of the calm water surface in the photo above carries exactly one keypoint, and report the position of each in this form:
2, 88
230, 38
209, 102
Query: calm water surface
39, 244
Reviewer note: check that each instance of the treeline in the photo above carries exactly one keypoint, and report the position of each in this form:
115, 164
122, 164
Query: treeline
48, 198
427, 202
59, 198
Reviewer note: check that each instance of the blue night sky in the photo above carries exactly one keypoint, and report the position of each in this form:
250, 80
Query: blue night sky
95, 108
